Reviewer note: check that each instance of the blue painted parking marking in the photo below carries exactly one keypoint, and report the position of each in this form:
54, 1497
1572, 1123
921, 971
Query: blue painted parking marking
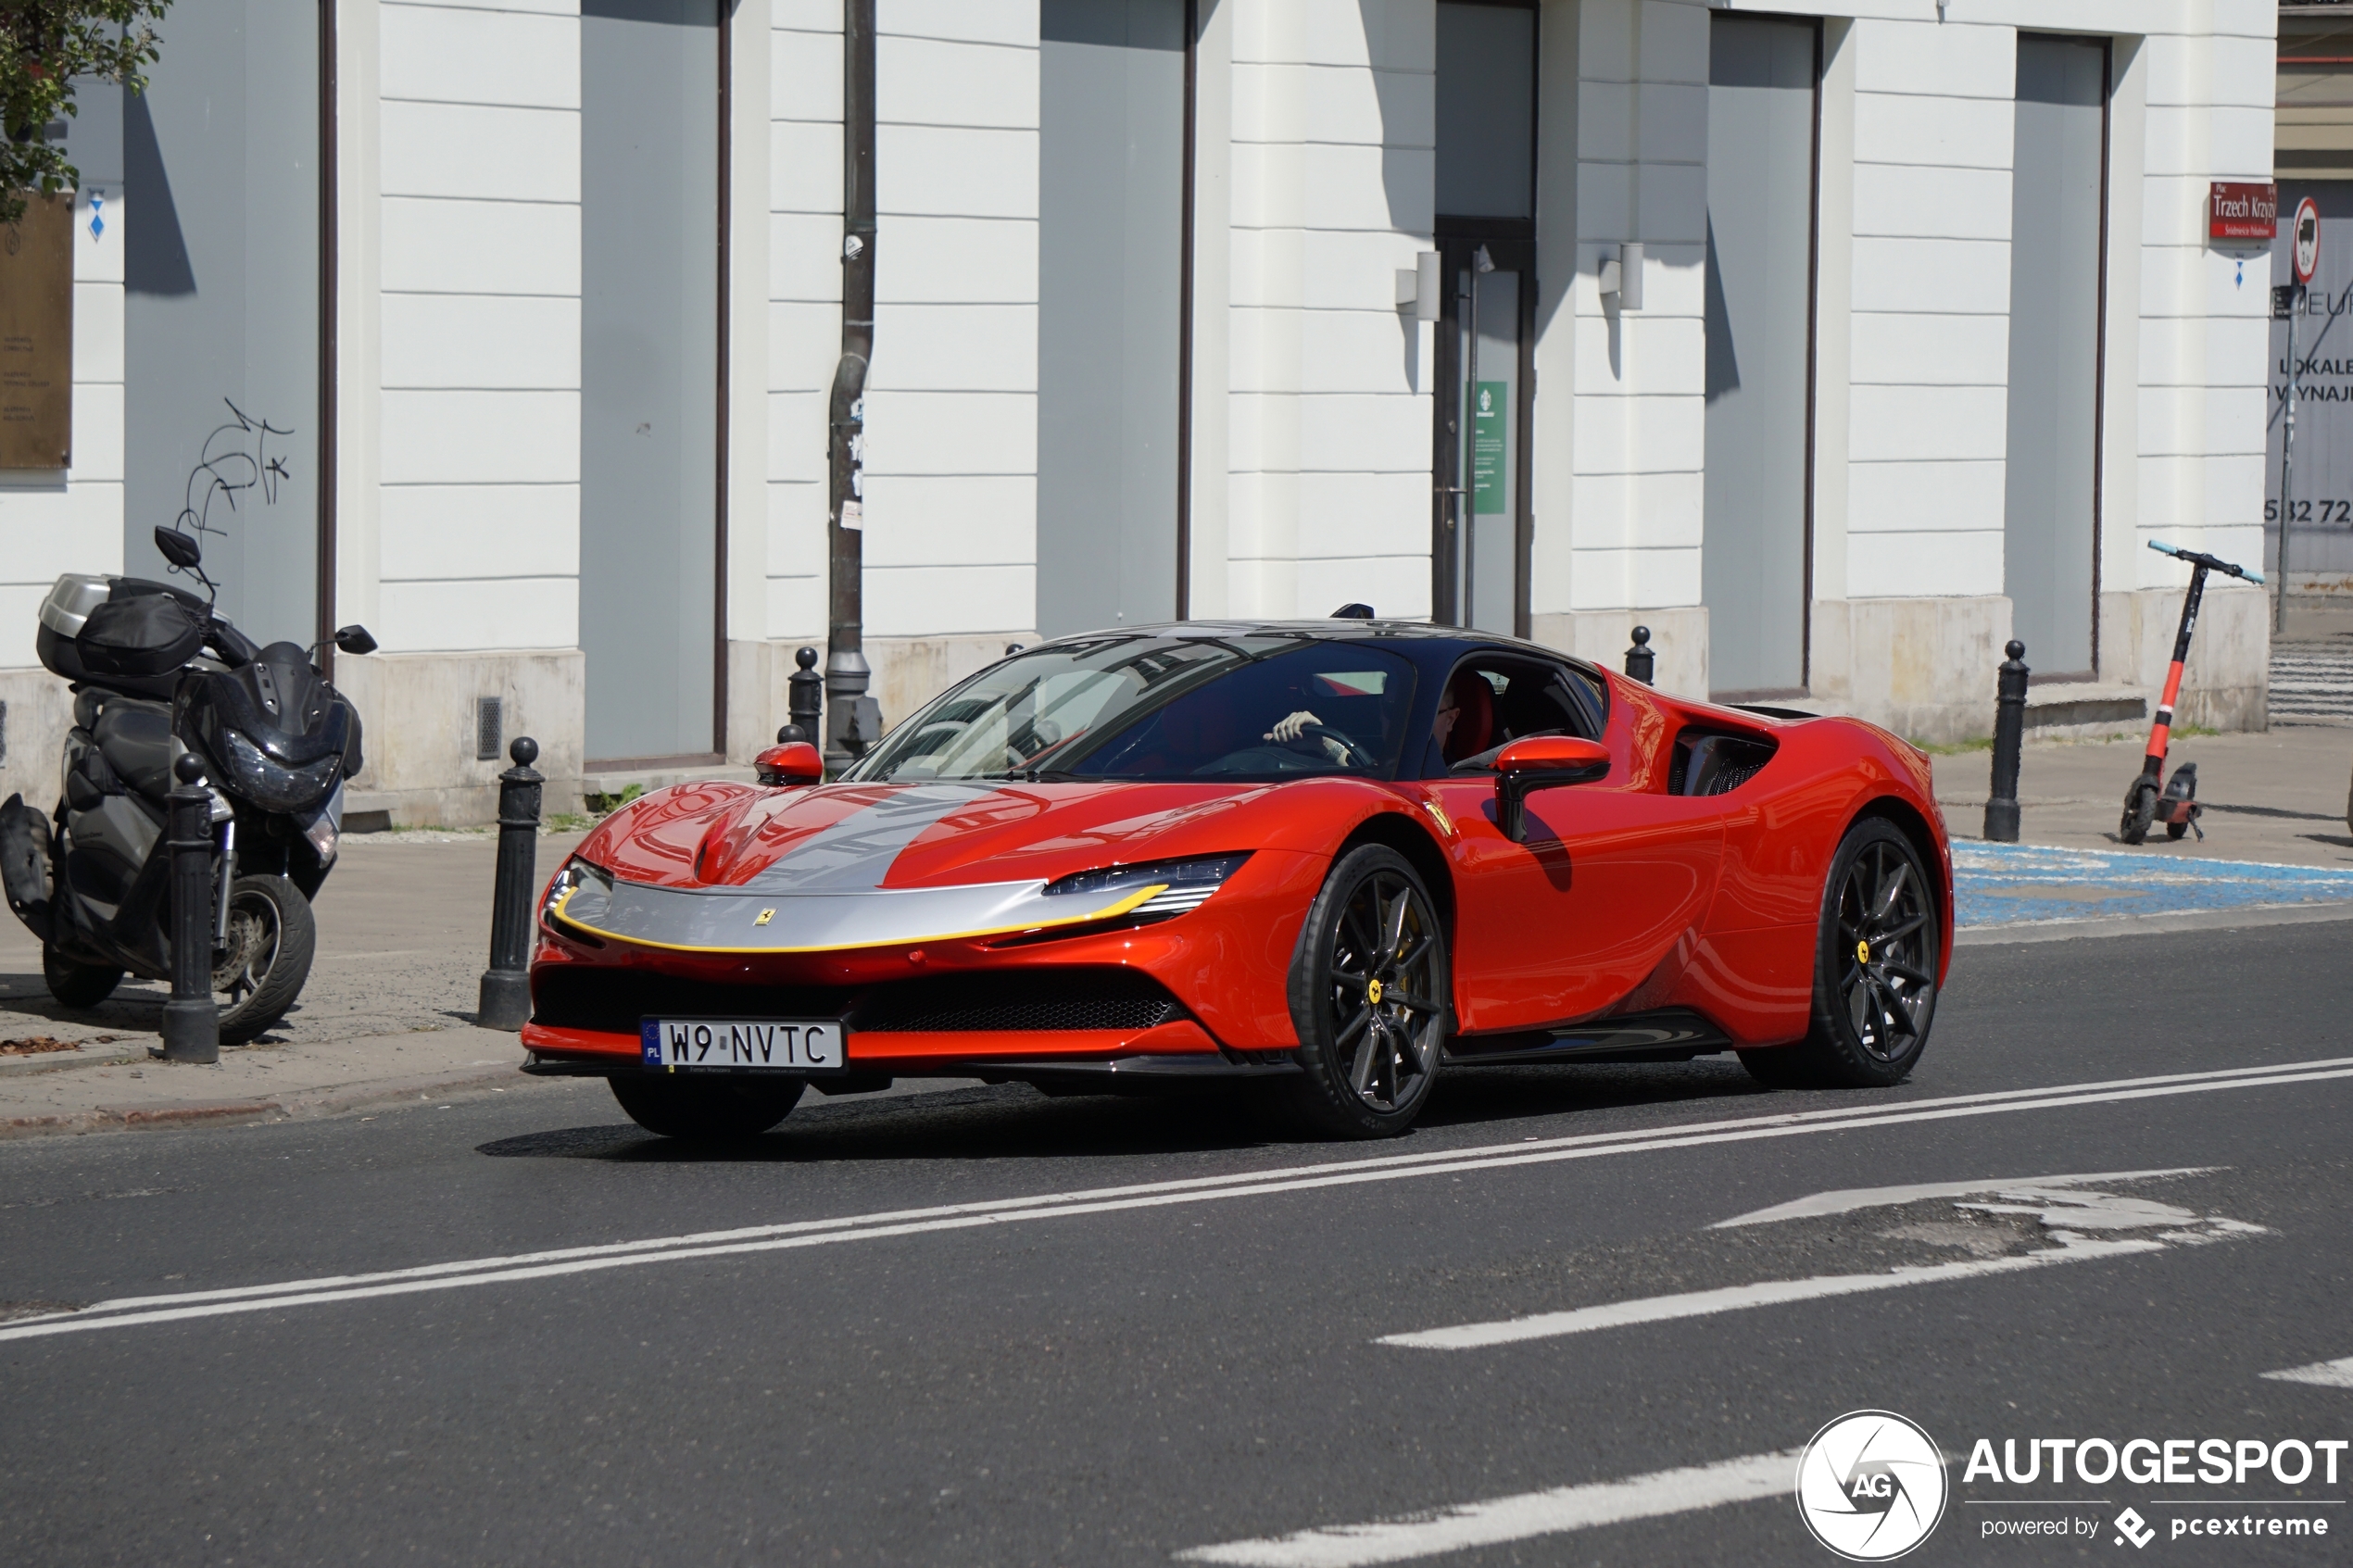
2023, 884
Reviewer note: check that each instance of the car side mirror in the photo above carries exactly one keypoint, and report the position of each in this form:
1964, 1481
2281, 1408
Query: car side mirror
1542, 762
795, 762
355, 640
181, 549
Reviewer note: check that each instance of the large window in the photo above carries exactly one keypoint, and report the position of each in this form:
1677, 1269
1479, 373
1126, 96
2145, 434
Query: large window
2051, 504
224, 417
1111, 241
1754, 566
651, 246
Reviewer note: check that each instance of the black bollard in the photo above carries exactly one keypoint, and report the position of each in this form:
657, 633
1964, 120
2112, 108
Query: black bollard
2009, 731
804, 699
190, 1019
506, 984
1641, 659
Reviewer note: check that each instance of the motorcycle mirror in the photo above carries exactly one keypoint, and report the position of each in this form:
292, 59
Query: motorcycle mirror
181, 549
355, 639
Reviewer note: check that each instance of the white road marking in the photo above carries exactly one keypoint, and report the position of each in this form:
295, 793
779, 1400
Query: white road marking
2058, 1202
127, 1311
1528, 1514
1852, 1198
1738, 1298
2327, 1375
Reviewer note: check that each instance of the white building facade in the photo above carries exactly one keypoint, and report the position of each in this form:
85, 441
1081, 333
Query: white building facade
1835, 344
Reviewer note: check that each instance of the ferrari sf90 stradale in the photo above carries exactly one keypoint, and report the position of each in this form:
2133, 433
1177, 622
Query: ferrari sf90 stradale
1343, 857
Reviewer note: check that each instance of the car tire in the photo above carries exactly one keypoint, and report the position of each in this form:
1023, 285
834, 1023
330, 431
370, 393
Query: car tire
1371, 997
272, 936
710, 1109
75, 984
1875, 964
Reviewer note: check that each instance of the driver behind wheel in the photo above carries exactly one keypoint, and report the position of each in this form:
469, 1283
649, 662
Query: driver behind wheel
1466, 720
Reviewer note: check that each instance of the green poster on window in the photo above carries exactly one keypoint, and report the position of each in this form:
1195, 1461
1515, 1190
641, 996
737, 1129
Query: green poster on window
1489, 417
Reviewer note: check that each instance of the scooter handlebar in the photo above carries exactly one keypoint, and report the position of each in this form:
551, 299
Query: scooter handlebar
2214, 564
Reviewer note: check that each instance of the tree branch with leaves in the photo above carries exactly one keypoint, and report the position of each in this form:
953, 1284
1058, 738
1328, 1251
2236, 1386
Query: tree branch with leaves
46, 47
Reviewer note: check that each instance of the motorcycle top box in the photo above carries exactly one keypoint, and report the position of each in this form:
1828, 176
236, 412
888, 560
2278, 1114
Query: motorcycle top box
125, 632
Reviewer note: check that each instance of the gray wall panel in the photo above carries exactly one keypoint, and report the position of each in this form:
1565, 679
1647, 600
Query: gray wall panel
1110, 184
220, 215
649, 373
1486, 111
2054, 397
1760, 201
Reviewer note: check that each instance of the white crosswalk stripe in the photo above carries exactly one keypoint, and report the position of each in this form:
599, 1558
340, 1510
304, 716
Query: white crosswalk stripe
1499, 1521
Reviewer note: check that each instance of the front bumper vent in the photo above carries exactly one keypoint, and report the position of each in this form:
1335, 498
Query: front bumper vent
612, 1000
1036, 1001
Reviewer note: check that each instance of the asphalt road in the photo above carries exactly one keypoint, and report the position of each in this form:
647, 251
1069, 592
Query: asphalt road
1059, 1369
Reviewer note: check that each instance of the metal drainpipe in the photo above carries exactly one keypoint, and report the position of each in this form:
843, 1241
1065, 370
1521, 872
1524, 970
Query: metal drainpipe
853, 720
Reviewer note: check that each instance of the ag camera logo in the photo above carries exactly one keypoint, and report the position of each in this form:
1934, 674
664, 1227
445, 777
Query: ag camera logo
1870, 1485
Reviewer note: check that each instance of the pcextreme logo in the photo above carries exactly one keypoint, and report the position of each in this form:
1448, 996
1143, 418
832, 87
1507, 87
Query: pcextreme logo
1870, 1485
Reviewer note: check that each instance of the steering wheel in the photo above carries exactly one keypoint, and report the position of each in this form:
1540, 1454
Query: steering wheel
1355, 755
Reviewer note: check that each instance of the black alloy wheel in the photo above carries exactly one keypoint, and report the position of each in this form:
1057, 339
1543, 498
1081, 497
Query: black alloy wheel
713, 1108
1369, 991
1874, 972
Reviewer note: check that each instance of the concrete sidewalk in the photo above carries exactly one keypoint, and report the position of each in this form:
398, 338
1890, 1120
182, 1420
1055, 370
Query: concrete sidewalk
403, 933
2277, 798
2276, 845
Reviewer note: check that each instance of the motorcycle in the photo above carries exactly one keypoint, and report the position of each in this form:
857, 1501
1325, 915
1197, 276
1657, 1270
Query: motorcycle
155, 674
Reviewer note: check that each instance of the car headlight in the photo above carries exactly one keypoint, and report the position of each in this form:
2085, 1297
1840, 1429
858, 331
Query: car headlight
272, 786
1188, 883
588, 889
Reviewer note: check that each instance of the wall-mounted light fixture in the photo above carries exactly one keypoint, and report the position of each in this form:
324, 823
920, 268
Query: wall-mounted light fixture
1622, 275
1417, 286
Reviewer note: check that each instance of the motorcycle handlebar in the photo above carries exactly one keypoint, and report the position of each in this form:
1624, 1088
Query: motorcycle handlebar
2212, 562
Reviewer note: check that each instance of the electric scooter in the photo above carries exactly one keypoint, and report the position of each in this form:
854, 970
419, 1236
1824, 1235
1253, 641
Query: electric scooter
2177, 805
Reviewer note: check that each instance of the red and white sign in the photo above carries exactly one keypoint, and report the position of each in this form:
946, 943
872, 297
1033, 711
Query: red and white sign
2238, 209
2308, 239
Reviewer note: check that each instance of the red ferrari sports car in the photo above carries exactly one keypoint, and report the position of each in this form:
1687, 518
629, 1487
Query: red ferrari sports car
1339, 855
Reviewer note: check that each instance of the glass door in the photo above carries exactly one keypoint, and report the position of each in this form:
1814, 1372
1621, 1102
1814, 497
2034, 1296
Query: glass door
1483, 522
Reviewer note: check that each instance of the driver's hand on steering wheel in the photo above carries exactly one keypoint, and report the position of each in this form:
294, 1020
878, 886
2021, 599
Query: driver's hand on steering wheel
1292, 727
1295, 725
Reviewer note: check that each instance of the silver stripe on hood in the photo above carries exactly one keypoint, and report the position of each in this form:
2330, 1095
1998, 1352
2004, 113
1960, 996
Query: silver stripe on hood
827, 893
857, 852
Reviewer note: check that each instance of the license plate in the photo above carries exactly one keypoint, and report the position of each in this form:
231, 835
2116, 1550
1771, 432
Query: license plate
791, 1045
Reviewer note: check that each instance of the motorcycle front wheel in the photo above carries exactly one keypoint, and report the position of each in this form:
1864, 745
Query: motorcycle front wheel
271, 936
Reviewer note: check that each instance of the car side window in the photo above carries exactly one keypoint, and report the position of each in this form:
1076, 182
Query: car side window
1492, 699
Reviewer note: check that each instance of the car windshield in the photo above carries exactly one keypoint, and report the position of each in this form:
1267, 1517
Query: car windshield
1140, 706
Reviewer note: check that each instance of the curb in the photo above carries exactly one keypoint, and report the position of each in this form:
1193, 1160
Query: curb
167, 1114
65, 1061
311, 1105
2152, 924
